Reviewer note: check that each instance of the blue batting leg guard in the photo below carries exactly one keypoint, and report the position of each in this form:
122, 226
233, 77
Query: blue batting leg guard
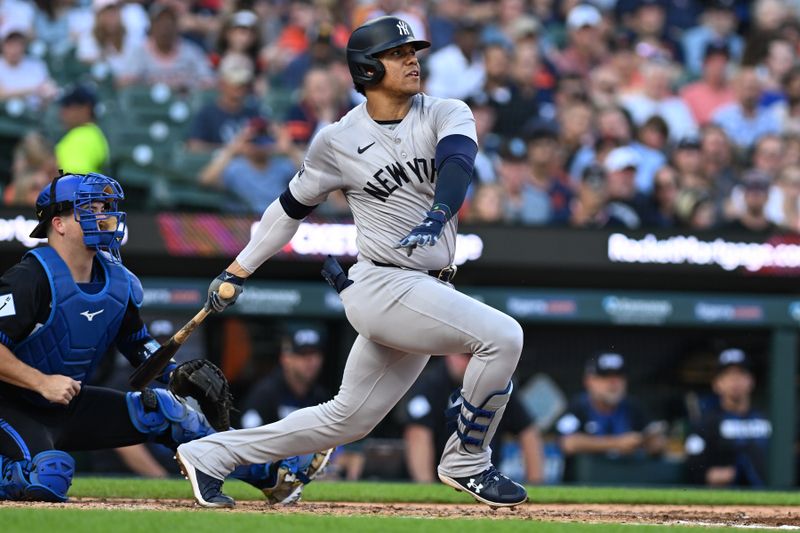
282, 482
476, 425
47, 477
159, 413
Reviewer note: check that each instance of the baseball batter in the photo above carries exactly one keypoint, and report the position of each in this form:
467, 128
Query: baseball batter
404, 161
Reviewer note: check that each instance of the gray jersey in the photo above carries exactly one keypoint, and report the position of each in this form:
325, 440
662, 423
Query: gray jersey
387, 175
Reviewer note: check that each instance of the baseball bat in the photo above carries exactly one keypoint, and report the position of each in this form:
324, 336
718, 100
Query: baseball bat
154, 365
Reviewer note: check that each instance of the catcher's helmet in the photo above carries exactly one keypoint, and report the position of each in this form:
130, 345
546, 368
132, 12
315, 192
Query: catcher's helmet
372, 38
101, 230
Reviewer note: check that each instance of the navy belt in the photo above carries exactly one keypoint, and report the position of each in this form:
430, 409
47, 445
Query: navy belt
446, 274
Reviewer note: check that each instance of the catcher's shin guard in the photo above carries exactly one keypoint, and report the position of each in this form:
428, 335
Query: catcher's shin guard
159, 413
46, 477
476, 426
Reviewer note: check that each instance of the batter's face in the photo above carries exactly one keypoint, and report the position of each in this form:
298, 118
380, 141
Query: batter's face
402, 70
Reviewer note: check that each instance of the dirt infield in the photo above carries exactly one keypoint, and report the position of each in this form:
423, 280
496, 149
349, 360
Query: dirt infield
752, 516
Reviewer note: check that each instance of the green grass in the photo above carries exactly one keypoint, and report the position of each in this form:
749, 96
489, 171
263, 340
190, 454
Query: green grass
435, 493
114, 521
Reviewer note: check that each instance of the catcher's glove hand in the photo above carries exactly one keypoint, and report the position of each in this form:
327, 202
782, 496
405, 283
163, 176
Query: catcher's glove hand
206, 383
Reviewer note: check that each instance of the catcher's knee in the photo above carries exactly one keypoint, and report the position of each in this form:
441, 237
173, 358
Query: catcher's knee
46, 477
158, 413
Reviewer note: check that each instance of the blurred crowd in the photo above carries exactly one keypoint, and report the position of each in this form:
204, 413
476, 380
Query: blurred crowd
590, 113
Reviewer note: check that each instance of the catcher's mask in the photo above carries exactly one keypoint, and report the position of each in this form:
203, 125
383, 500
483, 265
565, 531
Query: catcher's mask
372, 38
103, 229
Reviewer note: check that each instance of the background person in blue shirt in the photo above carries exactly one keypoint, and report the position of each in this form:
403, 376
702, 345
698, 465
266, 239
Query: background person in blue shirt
729, 443
603, 419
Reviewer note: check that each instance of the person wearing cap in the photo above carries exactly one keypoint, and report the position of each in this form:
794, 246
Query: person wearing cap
21, 75
687, 159
165, 57
293, 384
524, 203
217, 123
84, 147
729, 439
625, 202
119, 27
543, 158
713, 90
649, 30
422, 414
755, 186
586, 48
252, 168
604, 419
240, 35
718, 24
457, 70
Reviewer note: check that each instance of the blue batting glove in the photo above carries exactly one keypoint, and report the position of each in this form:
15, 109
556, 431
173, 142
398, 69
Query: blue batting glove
427, 233
215, 301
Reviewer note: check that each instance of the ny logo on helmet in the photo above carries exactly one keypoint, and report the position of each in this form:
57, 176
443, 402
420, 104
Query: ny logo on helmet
402, 27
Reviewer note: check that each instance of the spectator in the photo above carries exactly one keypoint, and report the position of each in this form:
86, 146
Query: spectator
239, 35
718, 167
575, 125
695, 210
487, 205
604, 419
525, 203
651, 143
656, 98
457, 70
59, 23
545, 161
585, 49
768, 154
165, 57
425, 423
516, 98
292, 385
116, 32
788, 111
319, 105
753, 218
217, 123
604, 86
767, 18
717, 28
743, 120
34, 167
252, 167
729, 444
648, 22
588, 207
665, 194
444, 20
22, 76
624, 201
713, 91
485, 118
321, 53
688, 161
783, 204
84, 147
773, 70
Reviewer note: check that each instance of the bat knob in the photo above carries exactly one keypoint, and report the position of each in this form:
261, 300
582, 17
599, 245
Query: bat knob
226, 290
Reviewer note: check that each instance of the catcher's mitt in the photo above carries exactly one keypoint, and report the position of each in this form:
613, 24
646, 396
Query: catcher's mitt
205, 382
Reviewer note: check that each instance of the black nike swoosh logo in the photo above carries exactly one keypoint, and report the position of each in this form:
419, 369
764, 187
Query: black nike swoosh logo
362, 150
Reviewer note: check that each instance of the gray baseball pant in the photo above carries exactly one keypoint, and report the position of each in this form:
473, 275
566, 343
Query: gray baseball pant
401, 317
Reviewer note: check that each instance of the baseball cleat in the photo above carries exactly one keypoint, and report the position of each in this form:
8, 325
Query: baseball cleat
489, 487
207, 490
291, 476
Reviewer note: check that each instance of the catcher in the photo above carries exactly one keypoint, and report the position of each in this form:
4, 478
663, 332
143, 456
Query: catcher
61, 307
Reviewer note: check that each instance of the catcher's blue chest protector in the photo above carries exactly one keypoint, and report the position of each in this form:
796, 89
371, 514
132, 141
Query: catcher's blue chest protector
81, 326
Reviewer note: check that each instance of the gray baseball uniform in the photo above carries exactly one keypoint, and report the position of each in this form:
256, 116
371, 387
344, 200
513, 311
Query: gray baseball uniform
400, 313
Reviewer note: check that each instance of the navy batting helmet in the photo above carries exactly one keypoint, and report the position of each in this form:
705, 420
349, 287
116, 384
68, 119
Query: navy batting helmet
372, 38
